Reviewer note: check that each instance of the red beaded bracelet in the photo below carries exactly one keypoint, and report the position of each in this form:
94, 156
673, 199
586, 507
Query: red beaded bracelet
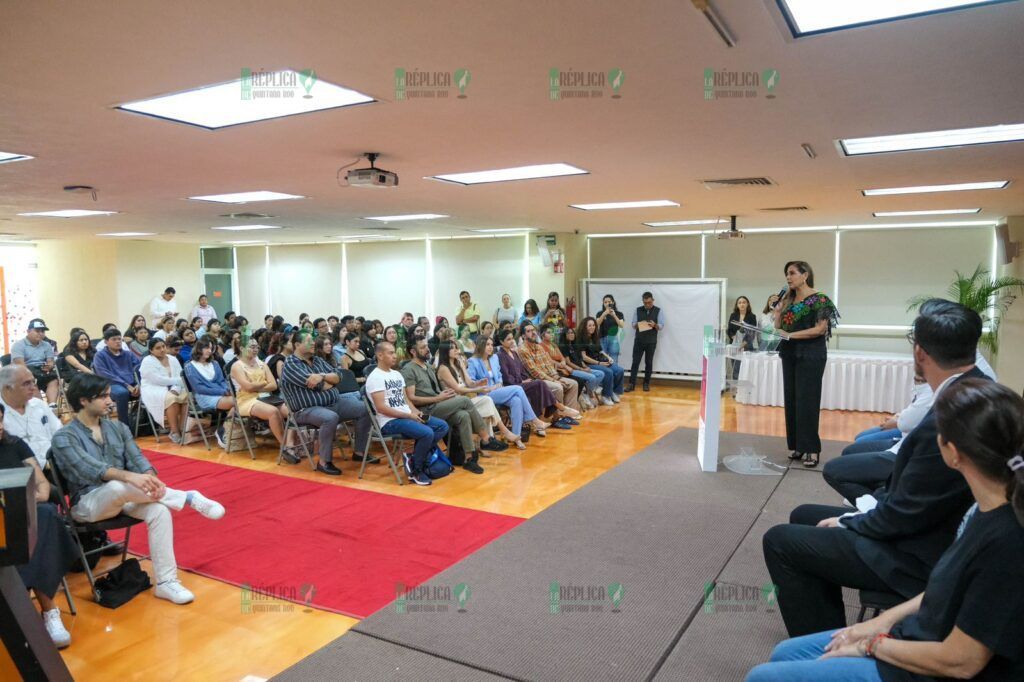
874, 643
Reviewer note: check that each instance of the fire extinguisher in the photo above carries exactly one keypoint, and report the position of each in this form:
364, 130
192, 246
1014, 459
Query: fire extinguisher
570, 311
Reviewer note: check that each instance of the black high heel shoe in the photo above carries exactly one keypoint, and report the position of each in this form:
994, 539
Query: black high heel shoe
794, 456
811, 459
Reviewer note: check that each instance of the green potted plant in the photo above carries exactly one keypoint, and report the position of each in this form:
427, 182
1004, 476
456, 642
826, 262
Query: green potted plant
988, 297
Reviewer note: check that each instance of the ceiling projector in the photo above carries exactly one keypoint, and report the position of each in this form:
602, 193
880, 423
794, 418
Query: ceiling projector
732, 232
372, 176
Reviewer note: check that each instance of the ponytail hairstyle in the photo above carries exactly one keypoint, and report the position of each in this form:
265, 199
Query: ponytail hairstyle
985, 421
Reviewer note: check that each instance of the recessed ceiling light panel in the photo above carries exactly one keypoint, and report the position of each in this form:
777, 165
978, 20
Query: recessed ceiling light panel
9, 157
409, 216
927, 189
68, 213
247, 197
655, 203
545, 170
810, 17
939, 139
941, 211
243, 228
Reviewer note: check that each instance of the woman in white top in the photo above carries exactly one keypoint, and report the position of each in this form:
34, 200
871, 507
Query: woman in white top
451, 370
162, 390
165, 327
506, 313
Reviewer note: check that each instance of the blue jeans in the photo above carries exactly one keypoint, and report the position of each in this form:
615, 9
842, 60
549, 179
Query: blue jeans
877, 433
119, 394
426, 437
593, 380
611, 379
326, 419
514, 397
610, 346
860, 447
796, 660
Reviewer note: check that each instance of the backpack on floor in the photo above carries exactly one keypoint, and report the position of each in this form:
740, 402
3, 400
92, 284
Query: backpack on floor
456, 455
438, 465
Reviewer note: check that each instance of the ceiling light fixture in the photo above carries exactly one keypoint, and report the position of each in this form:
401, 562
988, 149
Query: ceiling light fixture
504, 230
673, 223
10, 157
941, 211
247, 197
924, 189
654, 203
68, 213
410, 216
253, 97
243, 228
939, 139
546, 170
126, 234
810, 17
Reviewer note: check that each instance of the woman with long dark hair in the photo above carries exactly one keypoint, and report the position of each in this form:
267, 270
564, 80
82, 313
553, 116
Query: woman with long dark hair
807, 317
353, 357
741, 312
597, 360
452, 372
611, 324
79, 352
531, 313
967, 623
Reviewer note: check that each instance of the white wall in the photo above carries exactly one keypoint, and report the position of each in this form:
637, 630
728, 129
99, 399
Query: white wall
305, 278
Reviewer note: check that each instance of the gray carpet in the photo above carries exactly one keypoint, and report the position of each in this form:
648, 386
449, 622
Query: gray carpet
358, 658
655, 524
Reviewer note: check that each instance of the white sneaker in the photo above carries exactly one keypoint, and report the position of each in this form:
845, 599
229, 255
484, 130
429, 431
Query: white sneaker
55, 628
606, 401
173, 591
207, 507
615, 398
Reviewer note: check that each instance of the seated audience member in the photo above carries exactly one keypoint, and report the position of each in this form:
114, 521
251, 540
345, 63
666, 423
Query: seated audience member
395, 335
406, 324
584, 380
174, 346
540, 366
212, 329
435, 341
165, 327
367, 339
591, 347
138, 342
451, 370
423, 322
513, 373
198, 325
465, 342
233, 346
486, 329
34, 352
308, 384
746, 339
395, 416
352, 357
321, 327
332, 323
966, 624
278, 324
100, 342
378, 333
424, 390
118, 366
240, 323
108, 475
230, 319
137, 322
209, 388
303, 317
163, 392
203, 310
180, 325
323, 348
866, 465
268, 322
280, 347
78, 354
54, 550
26, 416
162, 306
255, 387
485, 367
894, 546
506, 313
307, 325
188, 342
530, 314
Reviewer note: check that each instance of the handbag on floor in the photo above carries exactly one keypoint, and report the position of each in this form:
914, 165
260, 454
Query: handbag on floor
121, 584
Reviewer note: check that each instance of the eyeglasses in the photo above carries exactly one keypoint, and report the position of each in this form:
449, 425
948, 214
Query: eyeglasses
911, 339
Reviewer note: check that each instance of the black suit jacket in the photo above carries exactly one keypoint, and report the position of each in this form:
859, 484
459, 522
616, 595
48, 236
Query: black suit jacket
917, 517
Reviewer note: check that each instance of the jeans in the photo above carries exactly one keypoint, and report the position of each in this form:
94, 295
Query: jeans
114, 497
611, 379
592, 379
426, 437
859, 447
514, 398
326, 419
119, 394
610, 346
796, 660
877, 432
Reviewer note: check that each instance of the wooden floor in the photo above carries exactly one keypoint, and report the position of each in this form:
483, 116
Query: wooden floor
212, 639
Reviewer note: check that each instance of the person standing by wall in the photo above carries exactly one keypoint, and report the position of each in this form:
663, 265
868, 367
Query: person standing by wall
611, 323
647, 321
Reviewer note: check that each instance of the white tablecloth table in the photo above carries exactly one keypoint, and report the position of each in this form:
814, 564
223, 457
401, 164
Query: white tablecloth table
870, 382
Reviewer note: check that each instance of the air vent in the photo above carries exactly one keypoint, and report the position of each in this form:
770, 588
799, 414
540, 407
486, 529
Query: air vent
379, 228
737, 182
247, 216
784, 208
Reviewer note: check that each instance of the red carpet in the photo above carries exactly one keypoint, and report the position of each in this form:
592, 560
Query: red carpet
282, 534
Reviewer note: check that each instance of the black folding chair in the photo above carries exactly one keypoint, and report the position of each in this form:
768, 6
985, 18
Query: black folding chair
216, 416
376, 435
121, 521
301, 433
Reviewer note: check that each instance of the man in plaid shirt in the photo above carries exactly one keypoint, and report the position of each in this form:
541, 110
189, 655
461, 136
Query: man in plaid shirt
540, 366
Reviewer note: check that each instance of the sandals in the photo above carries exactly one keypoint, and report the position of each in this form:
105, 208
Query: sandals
794, 456
811, 459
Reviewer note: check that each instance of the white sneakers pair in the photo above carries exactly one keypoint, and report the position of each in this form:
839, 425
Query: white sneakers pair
172, 590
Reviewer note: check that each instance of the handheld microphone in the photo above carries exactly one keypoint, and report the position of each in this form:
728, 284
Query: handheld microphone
782, 292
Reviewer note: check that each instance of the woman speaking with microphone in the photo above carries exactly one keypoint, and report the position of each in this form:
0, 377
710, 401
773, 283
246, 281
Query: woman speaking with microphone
807, 316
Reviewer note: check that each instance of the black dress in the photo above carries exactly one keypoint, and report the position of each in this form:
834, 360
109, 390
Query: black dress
803, 366
55, 550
